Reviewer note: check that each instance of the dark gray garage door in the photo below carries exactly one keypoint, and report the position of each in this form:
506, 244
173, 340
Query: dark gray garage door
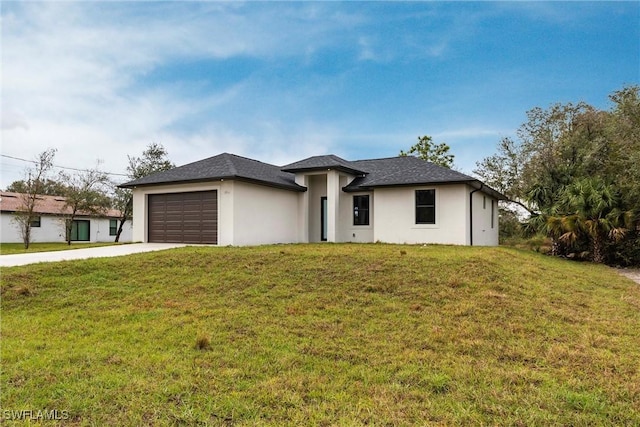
184, 217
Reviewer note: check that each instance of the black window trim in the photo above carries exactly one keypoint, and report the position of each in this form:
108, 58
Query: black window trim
356, 208
417, 207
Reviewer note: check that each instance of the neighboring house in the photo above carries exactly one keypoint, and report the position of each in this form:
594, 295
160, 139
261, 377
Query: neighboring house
233, 200
49, 223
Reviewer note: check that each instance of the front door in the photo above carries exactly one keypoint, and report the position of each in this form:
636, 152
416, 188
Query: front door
323, 219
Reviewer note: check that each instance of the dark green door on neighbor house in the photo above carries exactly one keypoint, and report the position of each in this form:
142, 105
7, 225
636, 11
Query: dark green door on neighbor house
80, 230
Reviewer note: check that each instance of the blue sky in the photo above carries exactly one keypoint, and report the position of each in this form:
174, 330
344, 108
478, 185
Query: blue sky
279, 82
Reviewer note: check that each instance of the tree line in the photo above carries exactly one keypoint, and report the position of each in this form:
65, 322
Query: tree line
85, 192
575, 170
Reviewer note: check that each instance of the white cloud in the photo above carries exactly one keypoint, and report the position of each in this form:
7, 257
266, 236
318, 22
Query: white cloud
74, 77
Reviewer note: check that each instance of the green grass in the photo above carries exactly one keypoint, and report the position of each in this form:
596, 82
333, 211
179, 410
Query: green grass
323, 335
18, 248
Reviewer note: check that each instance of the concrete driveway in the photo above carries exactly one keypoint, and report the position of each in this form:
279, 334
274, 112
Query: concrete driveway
100, 252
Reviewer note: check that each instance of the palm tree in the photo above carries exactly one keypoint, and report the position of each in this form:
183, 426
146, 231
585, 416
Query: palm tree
546, 220
591, 209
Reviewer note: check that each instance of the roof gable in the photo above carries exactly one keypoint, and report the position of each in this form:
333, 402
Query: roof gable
222, 166
329, 161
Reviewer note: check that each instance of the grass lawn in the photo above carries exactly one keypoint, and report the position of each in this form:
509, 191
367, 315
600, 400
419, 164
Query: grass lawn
18, 248
323, 335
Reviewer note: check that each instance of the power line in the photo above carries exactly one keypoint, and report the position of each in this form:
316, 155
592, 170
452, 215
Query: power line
61, 167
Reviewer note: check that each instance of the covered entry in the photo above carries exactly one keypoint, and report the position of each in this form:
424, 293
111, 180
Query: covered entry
183, 217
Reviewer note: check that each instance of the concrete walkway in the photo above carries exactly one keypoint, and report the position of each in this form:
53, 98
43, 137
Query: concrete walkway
631, 273
99, 252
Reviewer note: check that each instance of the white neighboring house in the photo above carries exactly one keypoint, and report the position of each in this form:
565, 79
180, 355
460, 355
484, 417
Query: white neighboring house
49, 225
233, 200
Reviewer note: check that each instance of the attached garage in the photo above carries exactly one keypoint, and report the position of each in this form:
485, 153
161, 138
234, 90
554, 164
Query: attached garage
183, 217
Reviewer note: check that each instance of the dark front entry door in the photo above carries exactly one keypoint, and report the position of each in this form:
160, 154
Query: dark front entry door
323, 219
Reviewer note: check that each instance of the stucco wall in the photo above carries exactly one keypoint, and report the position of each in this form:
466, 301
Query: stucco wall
317, 189
248, 214
483, 232
52, 230
394, 216
264, 215
348, 231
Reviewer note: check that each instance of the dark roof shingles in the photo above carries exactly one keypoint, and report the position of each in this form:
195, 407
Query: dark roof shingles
392, 171
403, 171
222, 166
329, 161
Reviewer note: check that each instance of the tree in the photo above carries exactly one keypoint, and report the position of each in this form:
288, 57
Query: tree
153, 159
434, 153
565, 159
591, 209
32, 187
86, 194
47, 187
549, 148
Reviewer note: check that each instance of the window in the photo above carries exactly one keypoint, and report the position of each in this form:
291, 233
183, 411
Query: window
361, 210
35, 222
80, 231
484, 202
113, 227
493, 213
425, 206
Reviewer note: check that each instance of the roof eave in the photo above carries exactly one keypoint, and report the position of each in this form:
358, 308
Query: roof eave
292, 187
474, 183
354, 172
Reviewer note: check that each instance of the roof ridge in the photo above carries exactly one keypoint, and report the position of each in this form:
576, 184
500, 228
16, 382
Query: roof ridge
251, 160
228, 157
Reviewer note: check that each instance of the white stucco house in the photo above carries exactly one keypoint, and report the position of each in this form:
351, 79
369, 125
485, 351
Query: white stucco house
233, 200
49, 224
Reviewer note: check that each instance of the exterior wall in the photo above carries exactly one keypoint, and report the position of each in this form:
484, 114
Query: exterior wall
317, 188
248, 214
264, 215
52, 230
327, 184
348, 231
484, 234
394, 216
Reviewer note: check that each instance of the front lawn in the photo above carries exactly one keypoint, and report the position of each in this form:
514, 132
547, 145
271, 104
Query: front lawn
323, 335
18, 248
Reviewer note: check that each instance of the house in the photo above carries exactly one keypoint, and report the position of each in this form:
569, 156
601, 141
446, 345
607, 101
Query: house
49, 224
233, 200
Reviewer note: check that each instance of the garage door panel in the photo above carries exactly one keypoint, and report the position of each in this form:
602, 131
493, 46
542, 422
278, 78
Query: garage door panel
183, 217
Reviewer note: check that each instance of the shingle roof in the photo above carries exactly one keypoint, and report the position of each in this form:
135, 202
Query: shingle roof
403, 171
222, 166
52, 205
322, 163
392, 171
408, 170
